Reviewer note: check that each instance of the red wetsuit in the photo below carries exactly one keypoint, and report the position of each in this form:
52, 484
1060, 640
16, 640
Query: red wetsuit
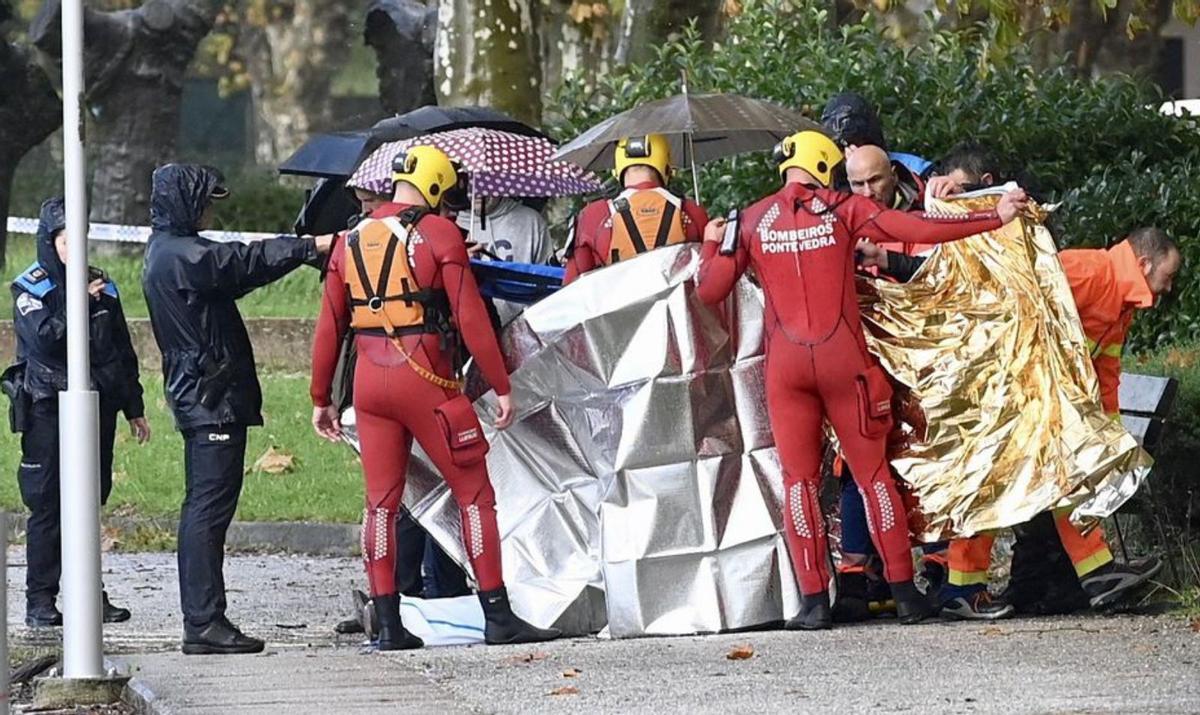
393, 404
800, 242
593, 233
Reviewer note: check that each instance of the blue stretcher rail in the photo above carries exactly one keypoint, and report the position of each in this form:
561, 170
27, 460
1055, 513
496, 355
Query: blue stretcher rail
524, 283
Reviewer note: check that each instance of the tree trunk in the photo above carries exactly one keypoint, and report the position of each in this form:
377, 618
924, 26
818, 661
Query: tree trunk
7, 170
487, 54
577, 39
1097, 42
292, 60
403, 34
30, 111
1141, 53
647, 24
134, 65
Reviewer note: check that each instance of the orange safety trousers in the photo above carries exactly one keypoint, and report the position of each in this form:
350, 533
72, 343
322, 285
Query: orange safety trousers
969, 559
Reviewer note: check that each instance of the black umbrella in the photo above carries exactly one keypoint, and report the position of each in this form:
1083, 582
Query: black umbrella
336, 155
327, 156
327, 208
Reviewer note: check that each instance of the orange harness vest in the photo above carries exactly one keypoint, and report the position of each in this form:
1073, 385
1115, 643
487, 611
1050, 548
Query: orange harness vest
638, 213
385, 297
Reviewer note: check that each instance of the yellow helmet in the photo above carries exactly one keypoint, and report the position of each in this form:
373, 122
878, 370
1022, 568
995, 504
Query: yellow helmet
427, 169
809, 150
652, 150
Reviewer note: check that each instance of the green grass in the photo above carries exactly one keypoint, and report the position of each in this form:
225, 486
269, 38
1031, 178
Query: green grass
325, 486
295, 296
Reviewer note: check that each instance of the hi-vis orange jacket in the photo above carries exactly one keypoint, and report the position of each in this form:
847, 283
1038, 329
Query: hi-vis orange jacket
1108, 286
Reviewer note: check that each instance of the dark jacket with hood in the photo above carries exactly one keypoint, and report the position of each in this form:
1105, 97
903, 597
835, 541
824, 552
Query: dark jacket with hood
191, 285
40, 322
851, 119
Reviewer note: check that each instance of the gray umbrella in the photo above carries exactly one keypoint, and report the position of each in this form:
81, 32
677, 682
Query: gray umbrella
700, 127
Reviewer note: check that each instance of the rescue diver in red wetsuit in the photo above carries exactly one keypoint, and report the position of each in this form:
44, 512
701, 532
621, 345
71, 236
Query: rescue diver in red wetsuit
402, 282
644, 216
800, 242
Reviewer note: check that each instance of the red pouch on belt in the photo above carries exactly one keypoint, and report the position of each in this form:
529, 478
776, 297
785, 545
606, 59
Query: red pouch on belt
874, 402
464, 435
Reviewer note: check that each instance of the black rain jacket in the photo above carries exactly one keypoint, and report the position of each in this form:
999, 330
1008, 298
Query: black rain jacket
192, 285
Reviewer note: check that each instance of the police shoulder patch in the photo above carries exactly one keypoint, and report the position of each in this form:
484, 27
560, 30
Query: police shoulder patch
35, 280
26, 304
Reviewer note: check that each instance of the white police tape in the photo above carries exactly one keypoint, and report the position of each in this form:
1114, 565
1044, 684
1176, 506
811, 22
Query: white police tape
133, 234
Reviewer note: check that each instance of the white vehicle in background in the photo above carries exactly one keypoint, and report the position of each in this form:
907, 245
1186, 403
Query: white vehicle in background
1182, 108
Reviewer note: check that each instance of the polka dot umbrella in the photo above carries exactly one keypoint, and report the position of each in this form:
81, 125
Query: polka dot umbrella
500, 164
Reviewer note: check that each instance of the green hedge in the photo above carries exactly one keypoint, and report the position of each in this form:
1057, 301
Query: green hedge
1170, 507
1099, 146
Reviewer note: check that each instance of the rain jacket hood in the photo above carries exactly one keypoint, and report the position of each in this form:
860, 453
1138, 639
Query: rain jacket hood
852, 119
51, 220
192, 285
179, 194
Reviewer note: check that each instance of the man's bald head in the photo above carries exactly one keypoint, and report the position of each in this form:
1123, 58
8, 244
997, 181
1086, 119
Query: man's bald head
869, 170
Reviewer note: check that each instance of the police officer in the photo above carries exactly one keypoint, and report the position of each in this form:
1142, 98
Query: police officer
40, 322
191, 285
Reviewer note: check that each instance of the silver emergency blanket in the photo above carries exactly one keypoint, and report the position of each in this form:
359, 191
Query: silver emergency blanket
639, 486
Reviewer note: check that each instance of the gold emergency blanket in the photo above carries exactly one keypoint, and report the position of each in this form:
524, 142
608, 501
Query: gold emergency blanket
1004, 418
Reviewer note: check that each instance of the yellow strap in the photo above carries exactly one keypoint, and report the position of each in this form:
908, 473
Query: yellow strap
429, 376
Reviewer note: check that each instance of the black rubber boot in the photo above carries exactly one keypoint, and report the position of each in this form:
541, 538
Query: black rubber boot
911, 605
814, 614
392, 635
503, 627
851, 604
113, 614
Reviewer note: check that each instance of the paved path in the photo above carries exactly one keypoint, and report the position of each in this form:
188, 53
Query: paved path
1128, 664
269, 596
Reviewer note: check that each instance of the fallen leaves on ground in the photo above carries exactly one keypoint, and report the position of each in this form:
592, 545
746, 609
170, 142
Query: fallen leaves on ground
530, 657
1179, 358
110, 539
565, 690
571, 672
993, 631
741, 652
1195, 624
273, 461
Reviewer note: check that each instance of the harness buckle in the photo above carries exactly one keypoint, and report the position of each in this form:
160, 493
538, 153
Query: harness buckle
375, 304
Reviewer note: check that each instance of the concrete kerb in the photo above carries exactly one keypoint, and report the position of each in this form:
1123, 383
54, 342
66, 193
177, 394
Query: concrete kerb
260, 536
142, 699
57, 694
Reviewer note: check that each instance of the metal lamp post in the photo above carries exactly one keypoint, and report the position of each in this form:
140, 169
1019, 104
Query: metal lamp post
78, 409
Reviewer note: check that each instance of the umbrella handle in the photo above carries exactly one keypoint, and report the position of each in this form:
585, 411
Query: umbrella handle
683, 81
695, 173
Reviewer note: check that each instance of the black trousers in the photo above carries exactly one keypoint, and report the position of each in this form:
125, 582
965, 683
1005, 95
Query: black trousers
38, 479
214, 460
442, 577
